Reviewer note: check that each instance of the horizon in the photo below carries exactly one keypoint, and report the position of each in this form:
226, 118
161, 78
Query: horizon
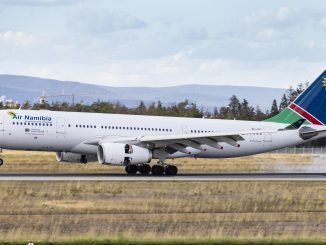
169, 86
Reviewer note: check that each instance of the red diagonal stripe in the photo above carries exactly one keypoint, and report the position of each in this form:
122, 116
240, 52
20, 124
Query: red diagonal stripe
305, 114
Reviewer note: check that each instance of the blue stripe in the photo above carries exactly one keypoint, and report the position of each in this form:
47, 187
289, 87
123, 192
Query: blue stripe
313, 99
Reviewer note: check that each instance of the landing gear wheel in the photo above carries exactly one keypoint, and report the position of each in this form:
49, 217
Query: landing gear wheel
170, 170
144, 169
83, 159
157, 170
131, 169
1, 162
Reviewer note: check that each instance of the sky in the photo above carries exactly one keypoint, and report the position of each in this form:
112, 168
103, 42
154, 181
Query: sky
165, 42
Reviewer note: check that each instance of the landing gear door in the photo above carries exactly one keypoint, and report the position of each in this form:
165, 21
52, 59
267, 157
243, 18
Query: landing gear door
61, 126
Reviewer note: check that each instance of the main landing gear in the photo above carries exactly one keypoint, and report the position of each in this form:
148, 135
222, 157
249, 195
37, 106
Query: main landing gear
145, 169
1, 161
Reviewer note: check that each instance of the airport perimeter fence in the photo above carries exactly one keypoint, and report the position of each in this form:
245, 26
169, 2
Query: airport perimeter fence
302, 150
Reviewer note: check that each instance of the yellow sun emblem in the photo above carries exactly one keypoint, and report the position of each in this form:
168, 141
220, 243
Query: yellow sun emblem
12, 114
324, 82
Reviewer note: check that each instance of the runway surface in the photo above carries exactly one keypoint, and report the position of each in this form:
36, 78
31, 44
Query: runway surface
179, 177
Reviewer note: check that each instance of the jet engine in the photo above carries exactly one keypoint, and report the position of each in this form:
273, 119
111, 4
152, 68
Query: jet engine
74, 157
122, 154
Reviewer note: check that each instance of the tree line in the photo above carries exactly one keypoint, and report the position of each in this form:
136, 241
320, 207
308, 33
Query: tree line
236, 109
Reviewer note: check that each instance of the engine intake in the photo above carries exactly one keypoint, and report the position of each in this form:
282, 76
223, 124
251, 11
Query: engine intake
122, 154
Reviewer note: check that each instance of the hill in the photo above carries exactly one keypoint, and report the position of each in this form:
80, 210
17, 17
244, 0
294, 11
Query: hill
22, 88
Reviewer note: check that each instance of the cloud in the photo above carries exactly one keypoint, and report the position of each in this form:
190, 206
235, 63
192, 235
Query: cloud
101, 21
194, 33
322, 23
39, 2
282, 18
15, 38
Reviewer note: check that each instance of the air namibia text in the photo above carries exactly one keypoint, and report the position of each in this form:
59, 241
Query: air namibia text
32, 118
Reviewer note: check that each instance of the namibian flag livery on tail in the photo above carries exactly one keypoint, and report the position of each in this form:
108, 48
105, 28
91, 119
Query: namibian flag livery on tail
309, 105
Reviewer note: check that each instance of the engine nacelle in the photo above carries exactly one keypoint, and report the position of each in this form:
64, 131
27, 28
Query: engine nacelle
122, 154
74, 157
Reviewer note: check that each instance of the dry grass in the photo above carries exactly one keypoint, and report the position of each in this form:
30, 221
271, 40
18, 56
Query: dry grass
24, 161
51, 211
150, 210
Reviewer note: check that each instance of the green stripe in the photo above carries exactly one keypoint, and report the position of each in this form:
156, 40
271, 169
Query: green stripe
286, 116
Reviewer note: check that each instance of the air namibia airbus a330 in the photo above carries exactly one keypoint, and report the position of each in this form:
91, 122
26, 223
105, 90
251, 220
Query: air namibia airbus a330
133, 141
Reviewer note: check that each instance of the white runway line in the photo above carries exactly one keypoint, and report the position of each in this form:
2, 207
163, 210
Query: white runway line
181, 177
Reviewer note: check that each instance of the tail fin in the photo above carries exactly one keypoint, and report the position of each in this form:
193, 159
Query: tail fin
309, 105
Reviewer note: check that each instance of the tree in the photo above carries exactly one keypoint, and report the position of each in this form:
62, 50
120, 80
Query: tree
259, 114
141, 108
284, 103
274, 109
234, 108
247, 112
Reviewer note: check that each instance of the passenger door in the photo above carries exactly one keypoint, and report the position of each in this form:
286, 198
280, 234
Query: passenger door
268, 137
61, 127
2, 124
184, 129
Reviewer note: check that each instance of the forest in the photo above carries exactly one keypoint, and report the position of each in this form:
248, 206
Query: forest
236, 109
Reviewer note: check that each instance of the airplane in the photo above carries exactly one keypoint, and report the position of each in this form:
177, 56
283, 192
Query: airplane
132, 141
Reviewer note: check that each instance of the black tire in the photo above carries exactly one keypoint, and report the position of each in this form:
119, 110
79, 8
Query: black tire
83, 159
171, 170
131, 169
157, 170
1, 161
144, 169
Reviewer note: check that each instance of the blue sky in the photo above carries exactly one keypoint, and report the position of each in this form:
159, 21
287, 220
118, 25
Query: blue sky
164, 42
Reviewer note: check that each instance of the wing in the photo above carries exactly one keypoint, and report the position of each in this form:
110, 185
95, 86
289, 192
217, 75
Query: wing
185, 142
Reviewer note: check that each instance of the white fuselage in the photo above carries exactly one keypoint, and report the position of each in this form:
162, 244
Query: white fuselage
67, 131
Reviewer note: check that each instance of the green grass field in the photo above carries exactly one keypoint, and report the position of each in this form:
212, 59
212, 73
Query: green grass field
161, 212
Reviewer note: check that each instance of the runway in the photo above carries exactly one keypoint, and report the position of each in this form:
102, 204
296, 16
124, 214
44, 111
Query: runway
179, 177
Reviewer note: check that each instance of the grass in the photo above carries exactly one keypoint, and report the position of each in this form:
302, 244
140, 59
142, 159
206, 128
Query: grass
51, 211
244, 212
